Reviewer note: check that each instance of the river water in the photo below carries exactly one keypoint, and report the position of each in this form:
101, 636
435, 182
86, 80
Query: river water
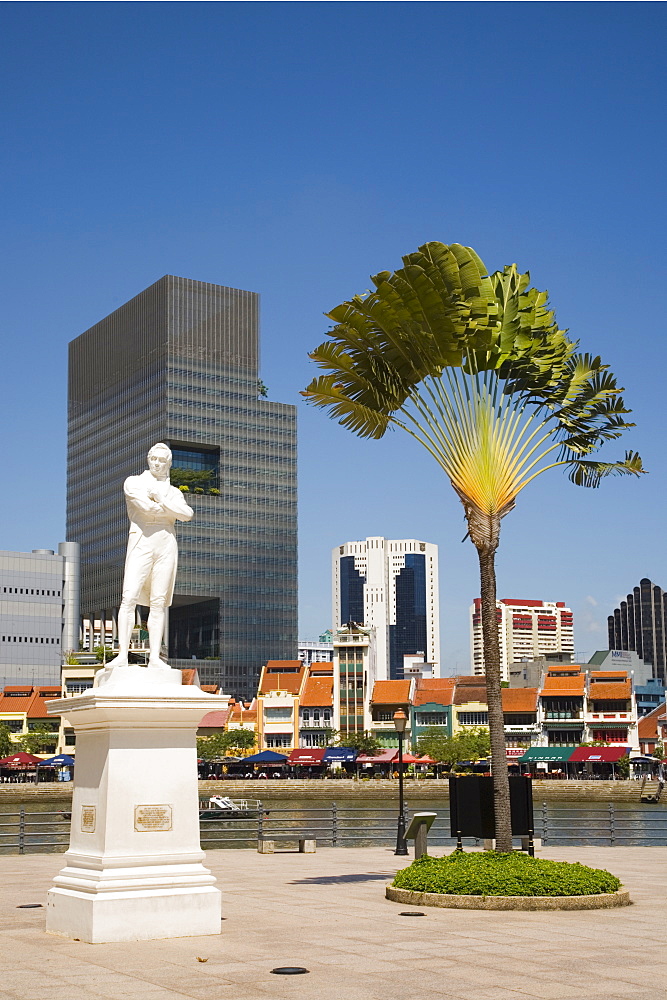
43, 827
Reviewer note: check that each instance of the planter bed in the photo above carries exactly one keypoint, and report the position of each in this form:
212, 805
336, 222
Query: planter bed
600, 901
490, 880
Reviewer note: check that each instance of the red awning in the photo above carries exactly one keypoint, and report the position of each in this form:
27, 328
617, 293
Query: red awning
21, 759
386, 757
598, 755
313, 755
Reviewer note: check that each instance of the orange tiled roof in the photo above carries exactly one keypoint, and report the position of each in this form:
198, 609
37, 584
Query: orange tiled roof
647, 727
438, 690
13, 703
274, 678
391, 693
318, 692
519, 699
37, 706
210, 688
281, 682
564, 685
563, 667
601, 675
470, 687
247, 715
613, 691
321, 667
214, 720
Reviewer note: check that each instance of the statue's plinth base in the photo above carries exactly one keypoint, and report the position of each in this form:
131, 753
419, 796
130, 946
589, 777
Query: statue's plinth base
134, 868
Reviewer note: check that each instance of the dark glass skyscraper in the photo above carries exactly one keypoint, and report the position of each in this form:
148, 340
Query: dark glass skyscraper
179, 363
639, 625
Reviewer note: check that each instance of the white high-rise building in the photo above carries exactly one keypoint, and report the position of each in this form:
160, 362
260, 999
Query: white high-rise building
315, 652
390, 586
39, 613
527, 630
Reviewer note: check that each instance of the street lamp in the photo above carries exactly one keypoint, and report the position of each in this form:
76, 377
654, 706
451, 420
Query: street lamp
400, 722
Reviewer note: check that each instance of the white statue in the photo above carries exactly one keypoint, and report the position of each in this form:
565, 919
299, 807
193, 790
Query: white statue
153, 507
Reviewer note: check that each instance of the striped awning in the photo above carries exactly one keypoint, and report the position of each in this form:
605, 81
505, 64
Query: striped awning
546, 755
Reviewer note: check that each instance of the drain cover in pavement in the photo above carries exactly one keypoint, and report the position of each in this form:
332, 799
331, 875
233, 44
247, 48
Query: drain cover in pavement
411, 913
30, 906
289, 970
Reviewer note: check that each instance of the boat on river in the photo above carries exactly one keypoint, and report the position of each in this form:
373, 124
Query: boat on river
223, 807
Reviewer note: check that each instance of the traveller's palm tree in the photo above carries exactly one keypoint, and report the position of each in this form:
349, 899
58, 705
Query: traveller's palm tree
475, 368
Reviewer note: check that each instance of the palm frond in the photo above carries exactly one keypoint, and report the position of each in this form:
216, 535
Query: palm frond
587, 473
365, 421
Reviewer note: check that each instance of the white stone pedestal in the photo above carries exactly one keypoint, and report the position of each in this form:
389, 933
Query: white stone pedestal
134, 866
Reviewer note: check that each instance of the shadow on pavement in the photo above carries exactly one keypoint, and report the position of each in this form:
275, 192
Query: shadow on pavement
333, 879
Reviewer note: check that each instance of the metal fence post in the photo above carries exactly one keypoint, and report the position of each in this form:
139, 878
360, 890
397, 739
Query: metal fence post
545, 823
334, 825
260, 820
611, 823
22, 830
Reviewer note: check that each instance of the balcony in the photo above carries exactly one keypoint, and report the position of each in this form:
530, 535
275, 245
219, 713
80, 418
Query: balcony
384, 725
609, 716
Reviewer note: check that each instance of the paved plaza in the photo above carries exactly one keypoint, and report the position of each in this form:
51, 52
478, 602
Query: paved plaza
327, 912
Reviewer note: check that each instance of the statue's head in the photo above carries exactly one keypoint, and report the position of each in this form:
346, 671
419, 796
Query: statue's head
159, 460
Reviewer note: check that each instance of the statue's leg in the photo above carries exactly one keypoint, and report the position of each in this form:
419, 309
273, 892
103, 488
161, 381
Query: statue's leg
125, 626
161, 579
137, 568
156, 632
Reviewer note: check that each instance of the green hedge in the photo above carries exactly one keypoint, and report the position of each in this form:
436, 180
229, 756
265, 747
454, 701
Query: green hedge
490, 873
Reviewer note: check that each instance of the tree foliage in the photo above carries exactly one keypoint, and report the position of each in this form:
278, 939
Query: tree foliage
38, 740
241, 739
468, 744
364, 742
104, 653
220, 745
623, 766
7, 744
191, 477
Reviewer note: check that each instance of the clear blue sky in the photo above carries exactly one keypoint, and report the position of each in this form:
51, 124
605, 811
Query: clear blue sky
295, 148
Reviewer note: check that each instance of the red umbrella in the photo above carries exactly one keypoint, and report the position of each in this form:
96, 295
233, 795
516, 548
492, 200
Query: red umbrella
20, 759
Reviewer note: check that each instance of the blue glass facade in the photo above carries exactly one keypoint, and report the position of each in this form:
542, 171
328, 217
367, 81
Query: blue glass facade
351, 592
408, 635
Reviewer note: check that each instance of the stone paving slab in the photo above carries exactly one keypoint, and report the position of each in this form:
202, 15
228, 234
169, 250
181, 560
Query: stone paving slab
327, 912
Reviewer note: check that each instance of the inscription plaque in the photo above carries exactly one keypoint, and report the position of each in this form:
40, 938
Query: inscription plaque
152, 818
87, 819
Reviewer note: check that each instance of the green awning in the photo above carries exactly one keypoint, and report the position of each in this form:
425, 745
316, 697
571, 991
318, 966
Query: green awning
546, 754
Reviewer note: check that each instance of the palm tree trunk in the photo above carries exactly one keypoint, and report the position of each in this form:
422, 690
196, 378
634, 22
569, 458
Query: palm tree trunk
501, 787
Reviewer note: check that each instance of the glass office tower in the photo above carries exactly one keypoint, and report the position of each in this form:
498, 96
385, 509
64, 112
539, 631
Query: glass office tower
179, 363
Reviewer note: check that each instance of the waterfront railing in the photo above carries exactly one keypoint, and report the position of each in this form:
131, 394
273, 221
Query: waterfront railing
339, 824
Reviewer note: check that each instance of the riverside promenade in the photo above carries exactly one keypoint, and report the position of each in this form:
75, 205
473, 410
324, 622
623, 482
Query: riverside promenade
327, 912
